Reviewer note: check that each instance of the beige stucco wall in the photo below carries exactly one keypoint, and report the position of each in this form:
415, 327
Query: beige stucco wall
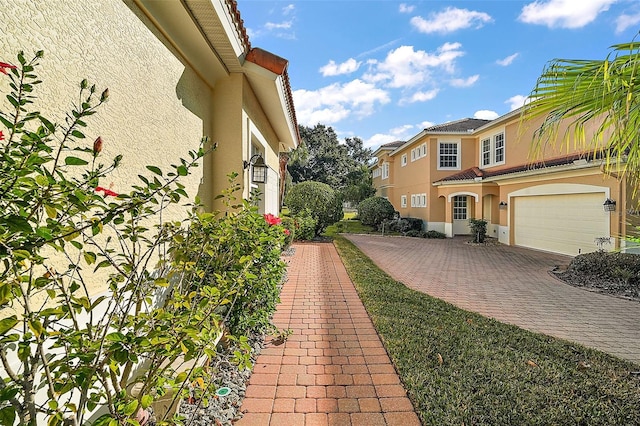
158, 108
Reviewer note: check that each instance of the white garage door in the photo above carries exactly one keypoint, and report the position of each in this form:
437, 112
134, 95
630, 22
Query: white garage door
567, 223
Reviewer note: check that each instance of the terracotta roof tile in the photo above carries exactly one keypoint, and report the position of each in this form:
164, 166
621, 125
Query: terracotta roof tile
459, 126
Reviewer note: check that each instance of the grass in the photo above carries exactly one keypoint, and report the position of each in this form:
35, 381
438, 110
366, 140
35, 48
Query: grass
348, 225
460, 368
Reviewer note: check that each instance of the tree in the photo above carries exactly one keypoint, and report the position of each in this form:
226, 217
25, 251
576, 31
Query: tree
322, 158
317, 199
606, 92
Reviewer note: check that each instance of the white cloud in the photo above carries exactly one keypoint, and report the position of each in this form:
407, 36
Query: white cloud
288, 9
485, 114
465, 82
427, 124
625, 21
563, 13
347, 67
449, 20
405, 8
333, 103
508, 60
405, 67
516, 101
278, 26
401, 133
420, 97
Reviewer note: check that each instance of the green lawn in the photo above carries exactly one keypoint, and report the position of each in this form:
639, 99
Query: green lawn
460, 368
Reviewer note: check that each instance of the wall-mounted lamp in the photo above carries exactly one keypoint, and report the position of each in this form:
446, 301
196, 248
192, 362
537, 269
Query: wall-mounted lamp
258, 168
502, 205
609, 205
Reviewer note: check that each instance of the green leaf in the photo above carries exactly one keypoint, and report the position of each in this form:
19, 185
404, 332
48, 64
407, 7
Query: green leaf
146, 401
7, 324
18, 224
155, 170
182, 171
51, 211
78, 134
103, 264
75, 161
7, 415
131, 407
42, 180
36, 327
90, 257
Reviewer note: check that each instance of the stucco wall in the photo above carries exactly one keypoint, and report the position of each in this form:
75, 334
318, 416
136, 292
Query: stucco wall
157, 109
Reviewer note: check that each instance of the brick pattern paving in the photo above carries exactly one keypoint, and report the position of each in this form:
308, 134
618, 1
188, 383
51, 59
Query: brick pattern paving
333, 369
512, 285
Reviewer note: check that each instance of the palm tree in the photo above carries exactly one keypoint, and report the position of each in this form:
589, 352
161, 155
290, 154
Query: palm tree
605, 92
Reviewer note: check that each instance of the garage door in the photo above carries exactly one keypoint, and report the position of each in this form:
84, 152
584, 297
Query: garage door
566, 224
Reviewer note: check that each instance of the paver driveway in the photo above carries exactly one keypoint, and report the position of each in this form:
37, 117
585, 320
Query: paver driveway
512, 285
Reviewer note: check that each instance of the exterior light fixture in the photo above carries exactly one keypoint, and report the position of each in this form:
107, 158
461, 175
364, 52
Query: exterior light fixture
502, 205
258, 168
609, 205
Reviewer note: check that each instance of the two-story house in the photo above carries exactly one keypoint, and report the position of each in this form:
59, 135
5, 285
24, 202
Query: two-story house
557, 199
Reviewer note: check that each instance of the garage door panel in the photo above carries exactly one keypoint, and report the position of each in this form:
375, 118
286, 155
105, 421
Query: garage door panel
567, 223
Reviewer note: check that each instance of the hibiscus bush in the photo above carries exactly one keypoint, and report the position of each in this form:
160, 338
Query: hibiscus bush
167, 288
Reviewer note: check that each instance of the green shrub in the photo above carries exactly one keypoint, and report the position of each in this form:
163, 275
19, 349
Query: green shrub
478, 230
434, 234
304, 225
415, 233
323, 203
375, 210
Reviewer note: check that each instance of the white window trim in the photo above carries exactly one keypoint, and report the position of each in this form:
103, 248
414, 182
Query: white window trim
403, 201
458, 156
492, 150
385, 170
403, 160
418, 200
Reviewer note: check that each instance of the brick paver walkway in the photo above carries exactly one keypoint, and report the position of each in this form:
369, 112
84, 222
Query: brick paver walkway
512, 285
333, 369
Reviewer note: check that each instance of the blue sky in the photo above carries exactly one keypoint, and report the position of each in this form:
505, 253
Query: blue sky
384, 70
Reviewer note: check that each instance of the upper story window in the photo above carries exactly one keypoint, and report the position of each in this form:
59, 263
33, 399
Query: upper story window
385, 170
498, 143
449, 155
486, 152
377, 172
492, 150
419, 152
403, 201
403, 160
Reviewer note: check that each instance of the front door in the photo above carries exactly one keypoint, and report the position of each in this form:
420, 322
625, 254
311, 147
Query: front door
460, 215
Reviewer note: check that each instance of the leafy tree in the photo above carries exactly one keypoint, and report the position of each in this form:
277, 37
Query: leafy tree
318, 198
322, 158
582, 92
375, 210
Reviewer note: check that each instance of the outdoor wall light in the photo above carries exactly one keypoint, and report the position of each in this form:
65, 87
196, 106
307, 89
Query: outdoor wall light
502, 205
609, 205
258, 168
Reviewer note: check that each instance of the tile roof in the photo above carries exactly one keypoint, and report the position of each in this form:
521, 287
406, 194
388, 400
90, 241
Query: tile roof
459, 126
475, 172
394, 144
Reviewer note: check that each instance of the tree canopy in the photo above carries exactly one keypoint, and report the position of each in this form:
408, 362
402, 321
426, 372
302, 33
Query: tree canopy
321, 157
605, 92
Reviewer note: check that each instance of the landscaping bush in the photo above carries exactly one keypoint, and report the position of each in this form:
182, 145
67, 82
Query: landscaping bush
415, 233
402, 225
375, 210
434, 234
323, 203
302, 226
478, 230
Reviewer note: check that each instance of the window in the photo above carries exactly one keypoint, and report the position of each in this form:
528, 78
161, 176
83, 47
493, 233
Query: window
486, 152
419, 200
460, 207
385, 170
403, 160
448, 155
498, 143
377, 172
492, 150
419, 152
403, 201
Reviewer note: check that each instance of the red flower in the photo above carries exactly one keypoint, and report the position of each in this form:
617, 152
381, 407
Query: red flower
272, 220
106, 191
4, 66
1, 136
287, 232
